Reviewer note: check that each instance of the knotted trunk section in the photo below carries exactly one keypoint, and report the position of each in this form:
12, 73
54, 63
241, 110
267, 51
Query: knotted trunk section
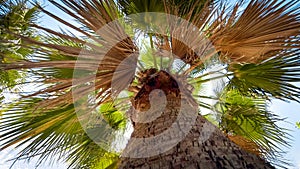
176, 136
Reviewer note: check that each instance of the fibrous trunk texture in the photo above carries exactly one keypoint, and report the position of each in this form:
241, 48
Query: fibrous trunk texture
195, 142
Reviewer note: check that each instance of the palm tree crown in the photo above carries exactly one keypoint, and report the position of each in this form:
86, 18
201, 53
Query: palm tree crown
90, 79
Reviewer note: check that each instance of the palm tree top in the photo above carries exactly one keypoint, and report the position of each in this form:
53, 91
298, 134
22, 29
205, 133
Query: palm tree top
256, 43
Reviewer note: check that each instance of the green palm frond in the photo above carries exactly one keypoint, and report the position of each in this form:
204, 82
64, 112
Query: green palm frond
43, 131
90, 156
249, 118
272, 78
15, 16
181, 8
136, 6
55, 133
114, 117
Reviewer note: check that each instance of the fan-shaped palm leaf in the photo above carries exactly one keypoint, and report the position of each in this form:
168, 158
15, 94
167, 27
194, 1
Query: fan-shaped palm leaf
264, 29
273, 77
249, 124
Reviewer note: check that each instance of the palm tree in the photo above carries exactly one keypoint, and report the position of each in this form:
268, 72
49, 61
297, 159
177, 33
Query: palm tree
98, 83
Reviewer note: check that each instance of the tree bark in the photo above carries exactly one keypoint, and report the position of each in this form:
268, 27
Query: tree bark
195, 142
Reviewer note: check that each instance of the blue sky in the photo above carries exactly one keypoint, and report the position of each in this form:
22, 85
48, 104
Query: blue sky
291, 111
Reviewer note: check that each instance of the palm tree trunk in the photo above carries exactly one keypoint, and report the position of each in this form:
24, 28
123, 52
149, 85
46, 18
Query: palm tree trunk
203, 145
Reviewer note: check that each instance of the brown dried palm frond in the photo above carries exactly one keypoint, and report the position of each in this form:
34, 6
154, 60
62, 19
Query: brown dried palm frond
245, 144
101, 56
185, 42
263, 29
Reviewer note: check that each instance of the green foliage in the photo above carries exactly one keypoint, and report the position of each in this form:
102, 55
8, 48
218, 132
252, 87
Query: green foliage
298, 124
211, 118
137, 6
53, 133
9, 78
115, 118
15, 20
16, 16
109, 161
271, 78
248, 117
